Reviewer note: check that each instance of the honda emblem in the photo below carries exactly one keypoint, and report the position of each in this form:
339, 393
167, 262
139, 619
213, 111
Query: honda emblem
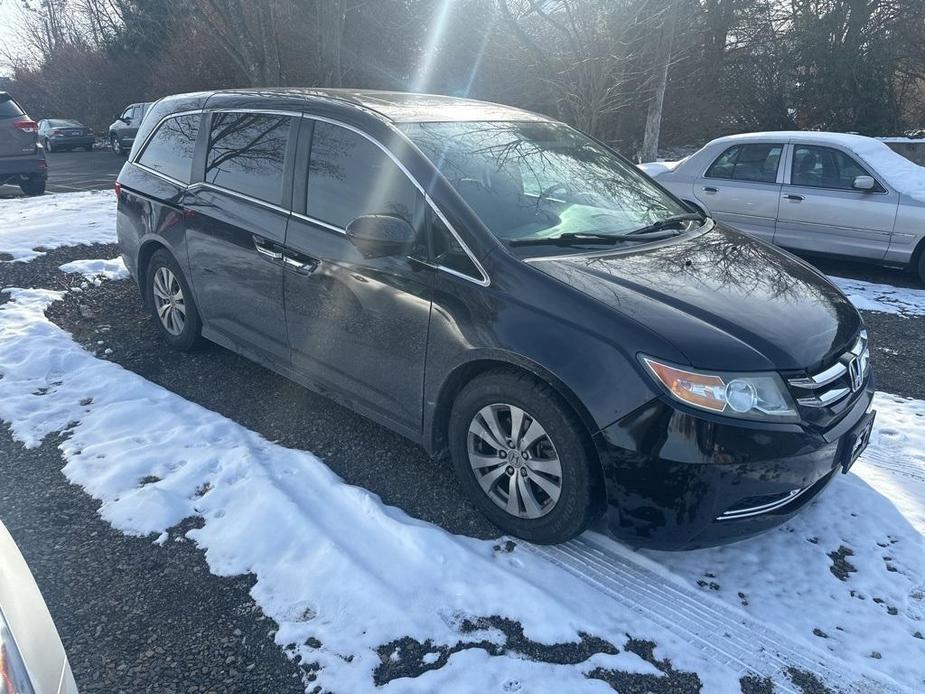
855, 375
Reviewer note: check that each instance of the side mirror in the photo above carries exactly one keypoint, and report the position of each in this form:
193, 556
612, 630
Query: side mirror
864, 183
380, 235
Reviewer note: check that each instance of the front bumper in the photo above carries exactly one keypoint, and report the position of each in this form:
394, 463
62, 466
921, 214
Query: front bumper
676, 480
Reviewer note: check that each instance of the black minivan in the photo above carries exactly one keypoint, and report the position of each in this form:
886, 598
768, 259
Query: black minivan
503, 289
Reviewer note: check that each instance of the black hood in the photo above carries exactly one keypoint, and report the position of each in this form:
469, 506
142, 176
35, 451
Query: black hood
723, 299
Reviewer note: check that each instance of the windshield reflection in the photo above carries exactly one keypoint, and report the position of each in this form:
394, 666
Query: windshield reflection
541, 180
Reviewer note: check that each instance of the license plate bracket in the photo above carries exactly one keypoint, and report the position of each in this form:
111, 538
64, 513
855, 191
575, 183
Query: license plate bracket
855, 441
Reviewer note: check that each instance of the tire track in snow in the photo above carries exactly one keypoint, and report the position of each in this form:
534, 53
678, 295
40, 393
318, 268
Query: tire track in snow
722, 633
896, 463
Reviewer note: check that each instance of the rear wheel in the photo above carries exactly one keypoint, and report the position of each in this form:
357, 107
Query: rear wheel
921, 267
32, 186
523, 457
171, 302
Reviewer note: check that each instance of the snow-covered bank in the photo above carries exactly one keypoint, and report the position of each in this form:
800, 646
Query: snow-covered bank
55, 220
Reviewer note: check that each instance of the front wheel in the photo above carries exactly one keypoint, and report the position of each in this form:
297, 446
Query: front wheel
921, 267
171, 302
523, 457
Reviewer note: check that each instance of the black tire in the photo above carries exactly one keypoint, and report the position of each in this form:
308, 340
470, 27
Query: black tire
921, 267
33, 186
191, 335
575, 507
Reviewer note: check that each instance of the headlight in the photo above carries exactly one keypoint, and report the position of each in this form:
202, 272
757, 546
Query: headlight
760, 396
13, 676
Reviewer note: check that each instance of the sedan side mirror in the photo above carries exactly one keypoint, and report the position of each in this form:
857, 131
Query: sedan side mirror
379, 235
864, 183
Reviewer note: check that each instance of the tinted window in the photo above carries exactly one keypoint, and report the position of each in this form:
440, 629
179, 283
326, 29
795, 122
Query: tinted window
247, 153
170, 149
9, 108
824, 167
349, 176
448, 253
748, 163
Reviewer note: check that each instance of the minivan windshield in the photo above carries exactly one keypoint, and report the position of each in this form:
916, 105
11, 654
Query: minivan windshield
531, 182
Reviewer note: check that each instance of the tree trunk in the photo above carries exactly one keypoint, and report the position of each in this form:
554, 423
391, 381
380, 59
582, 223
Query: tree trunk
660, 73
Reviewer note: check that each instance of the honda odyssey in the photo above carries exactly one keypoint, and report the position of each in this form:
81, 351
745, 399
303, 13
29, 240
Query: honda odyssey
507, 292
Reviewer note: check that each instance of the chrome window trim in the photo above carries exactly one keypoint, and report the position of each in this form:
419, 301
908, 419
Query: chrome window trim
314, 220
170, 179
242, 196
485, 280
144, 145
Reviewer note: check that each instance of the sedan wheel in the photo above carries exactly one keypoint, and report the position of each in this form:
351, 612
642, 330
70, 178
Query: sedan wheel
514, 461
168, 301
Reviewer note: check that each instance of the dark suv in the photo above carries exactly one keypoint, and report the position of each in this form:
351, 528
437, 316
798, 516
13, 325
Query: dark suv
22, 162
500, 287
123, 130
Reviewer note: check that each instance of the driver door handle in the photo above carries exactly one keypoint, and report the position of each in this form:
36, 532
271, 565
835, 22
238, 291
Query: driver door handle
304, 265
794, 197
710, 189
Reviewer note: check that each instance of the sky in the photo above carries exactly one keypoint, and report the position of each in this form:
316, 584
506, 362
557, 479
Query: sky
9, 19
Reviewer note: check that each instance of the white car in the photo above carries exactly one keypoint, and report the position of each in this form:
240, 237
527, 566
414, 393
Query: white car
840, 195
32, 659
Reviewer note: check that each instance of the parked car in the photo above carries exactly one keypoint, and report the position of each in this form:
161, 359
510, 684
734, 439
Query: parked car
22, 163
32, 658
815, 192
500, 287
123, 130
56, 135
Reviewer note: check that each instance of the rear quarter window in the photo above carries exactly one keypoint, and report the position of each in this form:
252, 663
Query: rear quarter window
9, 108
171, 147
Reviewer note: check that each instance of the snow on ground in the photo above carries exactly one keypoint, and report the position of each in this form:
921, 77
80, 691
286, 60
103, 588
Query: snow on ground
96, 269
332, 562
884, 298
54, 220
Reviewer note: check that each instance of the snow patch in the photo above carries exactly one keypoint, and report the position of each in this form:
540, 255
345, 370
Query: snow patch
95, 269
31, 226
883, 298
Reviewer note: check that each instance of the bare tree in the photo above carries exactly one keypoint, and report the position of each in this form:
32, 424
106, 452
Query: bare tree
659, 81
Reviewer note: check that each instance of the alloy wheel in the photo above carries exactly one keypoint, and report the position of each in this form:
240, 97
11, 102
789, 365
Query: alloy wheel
169, 301
514, 460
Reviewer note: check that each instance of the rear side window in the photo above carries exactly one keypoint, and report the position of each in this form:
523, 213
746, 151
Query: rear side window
170, 149
9, 108
757, 163
247, 154
349, 176
824, 167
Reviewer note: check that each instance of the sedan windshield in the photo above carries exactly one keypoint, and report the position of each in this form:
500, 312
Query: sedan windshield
531, 182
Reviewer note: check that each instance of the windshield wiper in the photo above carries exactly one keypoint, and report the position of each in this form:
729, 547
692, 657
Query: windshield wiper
666, 223
570, 238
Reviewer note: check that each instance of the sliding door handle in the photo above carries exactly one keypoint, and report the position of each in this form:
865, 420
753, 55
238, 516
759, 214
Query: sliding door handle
264, 248
794, 197
710, 189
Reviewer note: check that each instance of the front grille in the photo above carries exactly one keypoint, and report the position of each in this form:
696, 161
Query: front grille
833, 384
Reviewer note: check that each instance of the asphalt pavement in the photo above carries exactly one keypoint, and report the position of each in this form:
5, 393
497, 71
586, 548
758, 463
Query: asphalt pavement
69, 172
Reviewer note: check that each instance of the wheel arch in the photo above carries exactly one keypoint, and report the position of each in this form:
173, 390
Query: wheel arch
914, 262
146, 250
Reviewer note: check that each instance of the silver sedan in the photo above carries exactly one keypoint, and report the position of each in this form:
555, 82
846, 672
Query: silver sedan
816, 192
